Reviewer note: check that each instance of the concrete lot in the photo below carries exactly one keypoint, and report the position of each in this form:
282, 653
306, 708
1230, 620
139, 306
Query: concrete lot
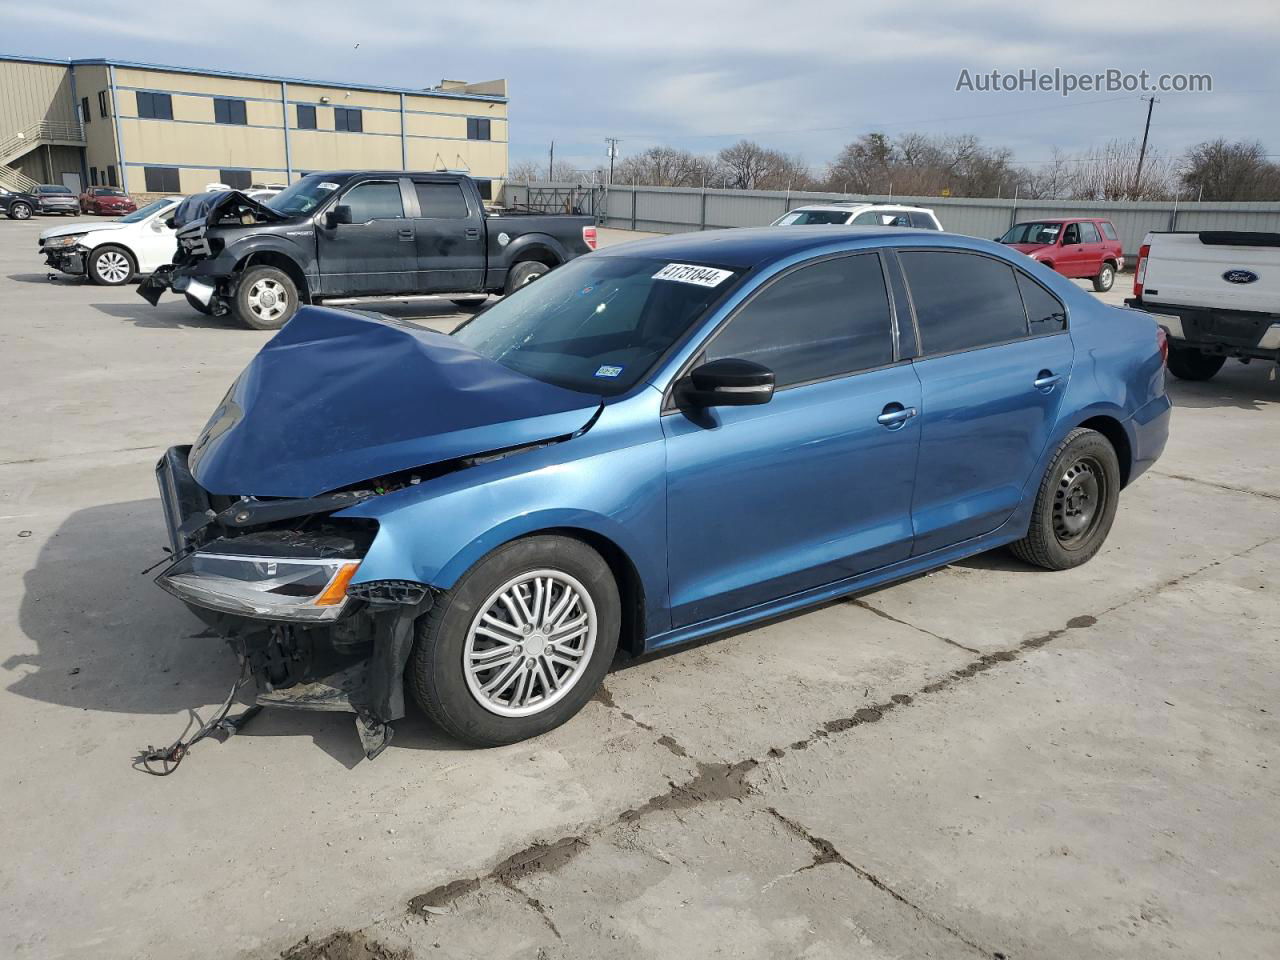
988, 761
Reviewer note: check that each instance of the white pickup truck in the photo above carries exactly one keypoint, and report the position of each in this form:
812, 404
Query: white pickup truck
1216, 293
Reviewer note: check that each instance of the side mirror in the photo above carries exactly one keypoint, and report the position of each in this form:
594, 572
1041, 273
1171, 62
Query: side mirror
727, 383
339, 214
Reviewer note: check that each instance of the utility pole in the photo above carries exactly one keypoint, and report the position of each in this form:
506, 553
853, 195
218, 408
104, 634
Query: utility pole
613, 153
551, 162
1142, 152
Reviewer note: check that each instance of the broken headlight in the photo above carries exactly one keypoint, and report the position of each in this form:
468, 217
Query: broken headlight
70, 240
272, 588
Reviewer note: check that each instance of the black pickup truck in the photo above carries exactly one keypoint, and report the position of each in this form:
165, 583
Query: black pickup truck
355, 234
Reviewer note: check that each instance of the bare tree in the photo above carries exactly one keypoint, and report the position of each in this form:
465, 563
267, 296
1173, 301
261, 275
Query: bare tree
1108, 173
665, 167
526, 171
921, 165
748, 166
1218, 170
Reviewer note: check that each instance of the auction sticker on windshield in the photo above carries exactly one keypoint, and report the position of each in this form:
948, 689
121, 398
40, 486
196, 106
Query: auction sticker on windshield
690, 273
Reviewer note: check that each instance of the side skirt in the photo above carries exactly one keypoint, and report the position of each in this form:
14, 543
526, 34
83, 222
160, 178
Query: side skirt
1013, 529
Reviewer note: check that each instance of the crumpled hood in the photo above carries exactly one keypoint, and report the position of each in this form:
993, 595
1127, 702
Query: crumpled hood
52, 232
215, 204
338, 398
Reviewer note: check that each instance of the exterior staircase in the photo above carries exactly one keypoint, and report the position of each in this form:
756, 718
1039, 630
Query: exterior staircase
58, 133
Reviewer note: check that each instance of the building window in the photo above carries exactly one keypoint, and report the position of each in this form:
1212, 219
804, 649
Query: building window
229, 111
111, 175
103, 111
486, 189
85, 116
155, 106
348, 119
93, 176
236, 179
306, 117
161, 179
478, 128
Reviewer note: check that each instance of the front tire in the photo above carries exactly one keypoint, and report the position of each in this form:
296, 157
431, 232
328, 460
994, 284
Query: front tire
1105, 279
266, 298
1187, 363
1075, 505
20, 211
111, 266
519, 644
524, 273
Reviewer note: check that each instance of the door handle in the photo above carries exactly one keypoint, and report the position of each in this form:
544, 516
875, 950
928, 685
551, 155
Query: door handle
406, 234
1046, 381
895, 416
473, 233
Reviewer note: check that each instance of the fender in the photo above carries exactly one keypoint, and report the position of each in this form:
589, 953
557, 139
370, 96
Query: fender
260, 243
534, 242
609, 482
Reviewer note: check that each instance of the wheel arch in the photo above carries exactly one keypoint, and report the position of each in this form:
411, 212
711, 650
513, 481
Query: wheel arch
535, 246
1114, 431
281, 261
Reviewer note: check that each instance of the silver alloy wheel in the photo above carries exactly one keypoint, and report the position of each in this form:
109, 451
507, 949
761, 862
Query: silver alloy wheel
112, 266
268, 299
530, 643
1108, 277
20, 211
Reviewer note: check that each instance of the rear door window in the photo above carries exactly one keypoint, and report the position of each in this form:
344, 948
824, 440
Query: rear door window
441, 200
962, 300
1045, 312
822, 320
1088, 233
924, 221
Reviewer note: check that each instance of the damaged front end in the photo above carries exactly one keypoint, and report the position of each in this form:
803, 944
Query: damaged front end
273, 577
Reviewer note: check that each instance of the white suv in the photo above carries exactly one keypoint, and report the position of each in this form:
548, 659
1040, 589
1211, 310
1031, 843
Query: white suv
861, 215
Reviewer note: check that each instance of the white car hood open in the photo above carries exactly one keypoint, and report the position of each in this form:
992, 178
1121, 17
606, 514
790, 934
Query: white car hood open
81, 228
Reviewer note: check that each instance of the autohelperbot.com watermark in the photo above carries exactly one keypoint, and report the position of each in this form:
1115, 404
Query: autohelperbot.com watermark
1065, 82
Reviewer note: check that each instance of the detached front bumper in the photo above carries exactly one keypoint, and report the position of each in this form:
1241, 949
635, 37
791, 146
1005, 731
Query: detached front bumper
202, 287
273, 578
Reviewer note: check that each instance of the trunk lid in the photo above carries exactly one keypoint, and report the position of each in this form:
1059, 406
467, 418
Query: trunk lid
338, 398
1214, 270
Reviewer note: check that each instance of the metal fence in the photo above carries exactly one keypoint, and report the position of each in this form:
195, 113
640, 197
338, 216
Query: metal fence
680, 209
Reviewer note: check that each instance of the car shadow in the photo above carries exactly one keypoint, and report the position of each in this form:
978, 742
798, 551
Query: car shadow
1244, 386
166, 315
49, 277
108, 640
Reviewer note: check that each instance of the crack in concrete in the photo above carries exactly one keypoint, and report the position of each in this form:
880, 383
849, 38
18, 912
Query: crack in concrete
1217, 486
859, 602
536, 858
534, 904
825, 852
670, 743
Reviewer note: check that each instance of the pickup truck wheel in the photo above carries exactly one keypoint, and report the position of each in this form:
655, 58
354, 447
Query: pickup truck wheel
1075, 505
1105, 279
20, 211
265, 299
524, 273
519, 644
1187, 363
111, 266
470, 304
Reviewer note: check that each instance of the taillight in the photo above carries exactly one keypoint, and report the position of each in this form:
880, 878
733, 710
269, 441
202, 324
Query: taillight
589, 237
1140, 271
1162, 341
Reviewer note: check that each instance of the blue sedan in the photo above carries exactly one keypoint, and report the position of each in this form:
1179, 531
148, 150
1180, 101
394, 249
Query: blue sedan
651, 444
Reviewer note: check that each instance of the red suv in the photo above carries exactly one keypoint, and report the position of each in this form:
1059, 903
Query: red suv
106, 201
1074, 247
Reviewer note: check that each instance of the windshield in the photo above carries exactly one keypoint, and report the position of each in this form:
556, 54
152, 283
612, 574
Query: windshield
599, 323
802, 217
1046, 232
305, 195
107, 192
143, 212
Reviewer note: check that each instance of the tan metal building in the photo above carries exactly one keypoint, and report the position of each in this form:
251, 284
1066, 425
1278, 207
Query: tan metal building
157, 129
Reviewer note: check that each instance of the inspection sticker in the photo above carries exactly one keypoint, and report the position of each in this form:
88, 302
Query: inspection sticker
608, 371
690, 273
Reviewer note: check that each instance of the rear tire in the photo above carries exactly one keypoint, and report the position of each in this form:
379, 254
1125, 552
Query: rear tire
471, 625
524, 273
111, 266
1187, 363
1105, 279
1075, 505
266, 298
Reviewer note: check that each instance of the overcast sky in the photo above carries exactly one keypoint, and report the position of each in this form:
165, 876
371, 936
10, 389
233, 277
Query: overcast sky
805, 76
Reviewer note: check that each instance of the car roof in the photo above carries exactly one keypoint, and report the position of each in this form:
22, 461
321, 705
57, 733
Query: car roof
851, 206
748, 247
1065, 220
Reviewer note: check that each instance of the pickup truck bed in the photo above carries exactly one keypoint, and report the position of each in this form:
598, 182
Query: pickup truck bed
1216, 293
356, 235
